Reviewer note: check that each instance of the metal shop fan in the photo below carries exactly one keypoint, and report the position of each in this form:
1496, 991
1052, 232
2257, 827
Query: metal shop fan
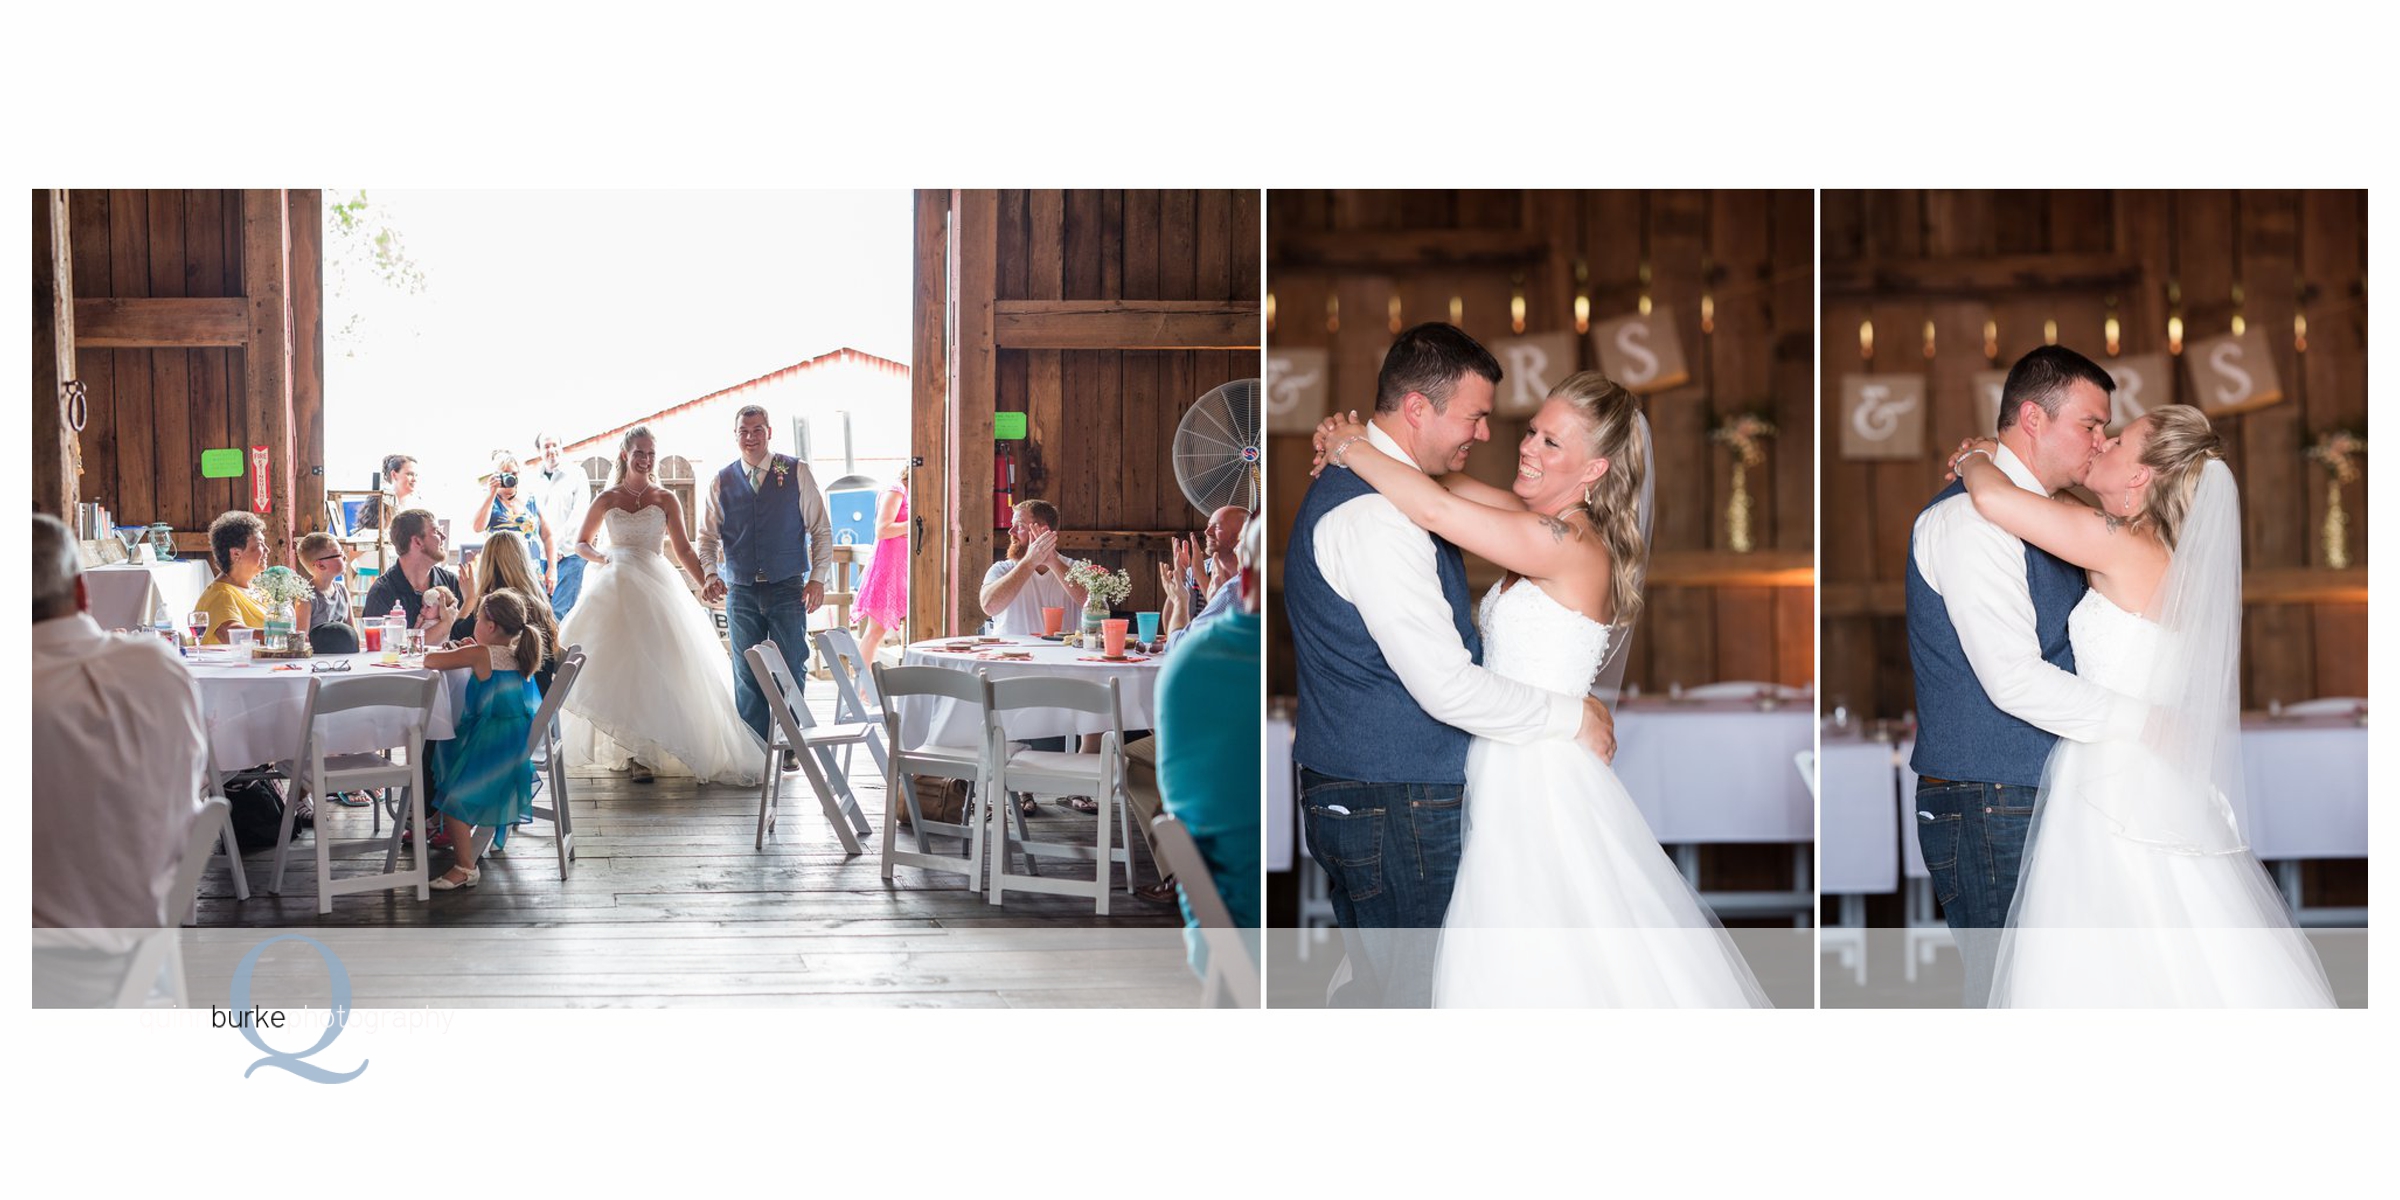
1217, 448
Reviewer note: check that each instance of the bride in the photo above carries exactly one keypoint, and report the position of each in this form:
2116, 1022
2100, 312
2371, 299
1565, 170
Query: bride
1564, 897
654, 694
2137, 889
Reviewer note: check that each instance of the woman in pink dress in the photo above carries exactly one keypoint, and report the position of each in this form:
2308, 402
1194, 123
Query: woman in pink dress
883, 598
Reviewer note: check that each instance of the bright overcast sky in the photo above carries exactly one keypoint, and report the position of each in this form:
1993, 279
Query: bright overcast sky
578, 310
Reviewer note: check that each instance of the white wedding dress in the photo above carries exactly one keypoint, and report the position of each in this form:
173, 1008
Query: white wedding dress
2137, 890
655, 686
1564, 898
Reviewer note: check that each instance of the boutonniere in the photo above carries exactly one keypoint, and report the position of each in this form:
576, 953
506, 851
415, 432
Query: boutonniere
782, 468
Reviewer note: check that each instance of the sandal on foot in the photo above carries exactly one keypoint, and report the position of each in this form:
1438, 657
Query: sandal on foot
1083, 804
443, 882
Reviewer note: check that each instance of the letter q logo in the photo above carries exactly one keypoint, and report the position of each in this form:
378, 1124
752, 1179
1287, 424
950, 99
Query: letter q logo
289, 1060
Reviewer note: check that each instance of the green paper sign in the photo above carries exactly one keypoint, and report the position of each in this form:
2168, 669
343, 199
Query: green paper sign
221, 464
1008, 426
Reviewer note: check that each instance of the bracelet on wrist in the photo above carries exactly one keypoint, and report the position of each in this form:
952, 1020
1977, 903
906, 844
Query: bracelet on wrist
1342, 448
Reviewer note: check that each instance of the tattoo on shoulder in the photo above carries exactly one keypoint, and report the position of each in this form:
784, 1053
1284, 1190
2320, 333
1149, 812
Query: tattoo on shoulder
1558, 529
2112, 521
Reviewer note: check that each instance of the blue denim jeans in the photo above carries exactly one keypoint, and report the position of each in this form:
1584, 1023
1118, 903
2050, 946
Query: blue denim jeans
759, 612
1390, 851
570, 585
1973, 836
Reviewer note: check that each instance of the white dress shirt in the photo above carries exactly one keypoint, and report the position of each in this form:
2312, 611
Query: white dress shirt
708, 544
119, 764
564, 501
1383, 565
1978, 569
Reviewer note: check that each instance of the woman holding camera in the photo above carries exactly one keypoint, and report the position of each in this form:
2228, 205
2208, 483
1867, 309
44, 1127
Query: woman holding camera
505, 511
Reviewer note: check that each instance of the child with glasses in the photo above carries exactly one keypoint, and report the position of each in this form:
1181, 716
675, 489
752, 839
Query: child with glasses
322, 560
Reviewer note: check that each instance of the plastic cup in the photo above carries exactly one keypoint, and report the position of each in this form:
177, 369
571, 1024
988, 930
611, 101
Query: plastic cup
1148, 626
372, 632
1052, 620
1112, 636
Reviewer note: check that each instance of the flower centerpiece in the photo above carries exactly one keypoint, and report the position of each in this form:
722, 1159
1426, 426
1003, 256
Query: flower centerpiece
2337, 451
1747, 435
281, 588
1102, 589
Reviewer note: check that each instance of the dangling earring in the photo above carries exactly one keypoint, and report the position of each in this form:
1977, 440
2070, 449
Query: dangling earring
1591, 495
2129, 502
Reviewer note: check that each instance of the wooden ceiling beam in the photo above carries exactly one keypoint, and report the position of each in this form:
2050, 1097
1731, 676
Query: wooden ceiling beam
1403, 249
1978, 278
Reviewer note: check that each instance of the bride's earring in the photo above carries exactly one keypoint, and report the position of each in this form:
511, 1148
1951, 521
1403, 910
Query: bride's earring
2129, 502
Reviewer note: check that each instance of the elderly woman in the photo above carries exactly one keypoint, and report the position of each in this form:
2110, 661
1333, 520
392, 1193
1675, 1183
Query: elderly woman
237, 542
507, 509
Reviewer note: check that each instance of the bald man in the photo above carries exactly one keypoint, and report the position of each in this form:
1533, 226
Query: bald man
1219, 557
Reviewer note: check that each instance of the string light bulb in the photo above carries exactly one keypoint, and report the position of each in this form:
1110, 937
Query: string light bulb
1583, 297
1516, 303
2300, 333
2174, 316
1270, 312
2238, 323
1991, 340
1333, 314
1458, 310
2175, 335
1642, 305
1391, 315
1708, 312
2050, 332
1866, 339
1929, 338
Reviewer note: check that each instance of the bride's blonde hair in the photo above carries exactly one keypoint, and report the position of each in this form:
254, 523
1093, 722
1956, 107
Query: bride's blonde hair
625, 451
1612, 500
2180, 442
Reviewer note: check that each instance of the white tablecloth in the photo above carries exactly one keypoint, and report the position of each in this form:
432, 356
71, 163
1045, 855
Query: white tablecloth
1283, 811
950, 723
253, 712
129, 595
1717, 772
1859, 820
2307, 787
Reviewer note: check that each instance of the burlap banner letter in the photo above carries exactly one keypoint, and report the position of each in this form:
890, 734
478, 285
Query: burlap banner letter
1641, 352
1883, 416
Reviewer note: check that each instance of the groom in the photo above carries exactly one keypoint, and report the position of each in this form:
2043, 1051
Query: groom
763, 512
1384, 638
1987, 637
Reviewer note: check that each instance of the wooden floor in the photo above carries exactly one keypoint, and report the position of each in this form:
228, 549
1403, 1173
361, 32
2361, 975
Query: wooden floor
669, 903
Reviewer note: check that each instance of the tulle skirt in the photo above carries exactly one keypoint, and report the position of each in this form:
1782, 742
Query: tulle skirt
2106, 919
1565, 900
656, 685
481, 774
884, 596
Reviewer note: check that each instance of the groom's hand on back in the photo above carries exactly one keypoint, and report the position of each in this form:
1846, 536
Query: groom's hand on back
1598, 733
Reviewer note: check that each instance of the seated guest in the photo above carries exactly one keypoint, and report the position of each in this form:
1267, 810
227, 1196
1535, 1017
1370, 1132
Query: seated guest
1033, 576
238, 543
321, 559
1209, 746
507, 562
426, 591
123, 760
481, 777
1217, 560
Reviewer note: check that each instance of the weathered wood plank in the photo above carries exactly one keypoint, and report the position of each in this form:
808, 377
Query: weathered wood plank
1979, 276
1127, 324
306, 222
139, 323
976, 244
1404, 249
267, 393
932, 498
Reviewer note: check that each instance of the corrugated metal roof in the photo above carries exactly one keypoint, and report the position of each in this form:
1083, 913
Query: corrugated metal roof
605, 438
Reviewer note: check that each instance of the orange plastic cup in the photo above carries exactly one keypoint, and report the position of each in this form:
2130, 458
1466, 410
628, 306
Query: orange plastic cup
1052, 619
1112, 635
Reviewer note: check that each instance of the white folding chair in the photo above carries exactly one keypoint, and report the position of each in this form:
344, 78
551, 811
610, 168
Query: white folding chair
544, 747
854, 697
1232, 979
971, 763
161, 954
324, 775
792, 728
1063, 773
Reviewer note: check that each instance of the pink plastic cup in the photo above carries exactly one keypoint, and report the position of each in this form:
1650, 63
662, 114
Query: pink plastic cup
1112, 635
1052, 619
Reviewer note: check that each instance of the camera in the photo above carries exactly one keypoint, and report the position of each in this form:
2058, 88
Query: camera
506, 479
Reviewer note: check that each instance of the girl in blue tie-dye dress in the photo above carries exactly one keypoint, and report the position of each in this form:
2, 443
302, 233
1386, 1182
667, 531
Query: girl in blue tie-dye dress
482, 777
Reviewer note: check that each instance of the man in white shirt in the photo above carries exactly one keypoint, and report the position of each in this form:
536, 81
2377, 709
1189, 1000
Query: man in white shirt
120, 759
563, 493
1390, 690
1033, 576
1987, 634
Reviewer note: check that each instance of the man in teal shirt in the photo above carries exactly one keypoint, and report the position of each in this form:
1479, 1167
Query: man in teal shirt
1208, 745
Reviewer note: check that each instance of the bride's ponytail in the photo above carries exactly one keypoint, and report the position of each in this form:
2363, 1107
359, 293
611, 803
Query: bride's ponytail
1611, 501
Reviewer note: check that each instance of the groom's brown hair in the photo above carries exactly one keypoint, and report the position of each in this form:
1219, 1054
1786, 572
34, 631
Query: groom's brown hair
1430, 359
2043, 376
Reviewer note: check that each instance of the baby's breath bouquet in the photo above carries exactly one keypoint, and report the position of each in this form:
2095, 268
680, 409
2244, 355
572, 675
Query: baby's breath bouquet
1102, 587
282, 585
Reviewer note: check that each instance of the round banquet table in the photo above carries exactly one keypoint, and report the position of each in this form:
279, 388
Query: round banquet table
129, 595
253, 711
946, 722
1717, 771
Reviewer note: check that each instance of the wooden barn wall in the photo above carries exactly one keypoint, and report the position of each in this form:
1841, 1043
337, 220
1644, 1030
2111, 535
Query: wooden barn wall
153, 410
1101, 423
1711, 614
2023, 258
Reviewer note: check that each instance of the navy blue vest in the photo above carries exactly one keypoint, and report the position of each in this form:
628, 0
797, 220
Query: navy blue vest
762, 533
1355, 720
1961, 734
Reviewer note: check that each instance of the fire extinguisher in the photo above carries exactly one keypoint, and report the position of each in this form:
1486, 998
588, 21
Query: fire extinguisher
1004, 486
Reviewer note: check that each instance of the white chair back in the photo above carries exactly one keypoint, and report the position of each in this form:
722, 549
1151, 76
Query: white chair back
1233, 976
973, 763
793, 730
1047, 773
853, 684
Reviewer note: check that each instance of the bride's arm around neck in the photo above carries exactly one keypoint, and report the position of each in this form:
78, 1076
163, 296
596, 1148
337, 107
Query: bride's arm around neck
2099, 542
1535, 545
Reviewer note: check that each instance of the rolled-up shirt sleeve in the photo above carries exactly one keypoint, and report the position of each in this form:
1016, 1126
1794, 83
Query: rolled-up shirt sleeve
819, 522
1979, 569
1384, 566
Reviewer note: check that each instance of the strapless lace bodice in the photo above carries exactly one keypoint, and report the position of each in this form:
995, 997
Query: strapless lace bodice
642, 531
1533, 639
2113, 648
